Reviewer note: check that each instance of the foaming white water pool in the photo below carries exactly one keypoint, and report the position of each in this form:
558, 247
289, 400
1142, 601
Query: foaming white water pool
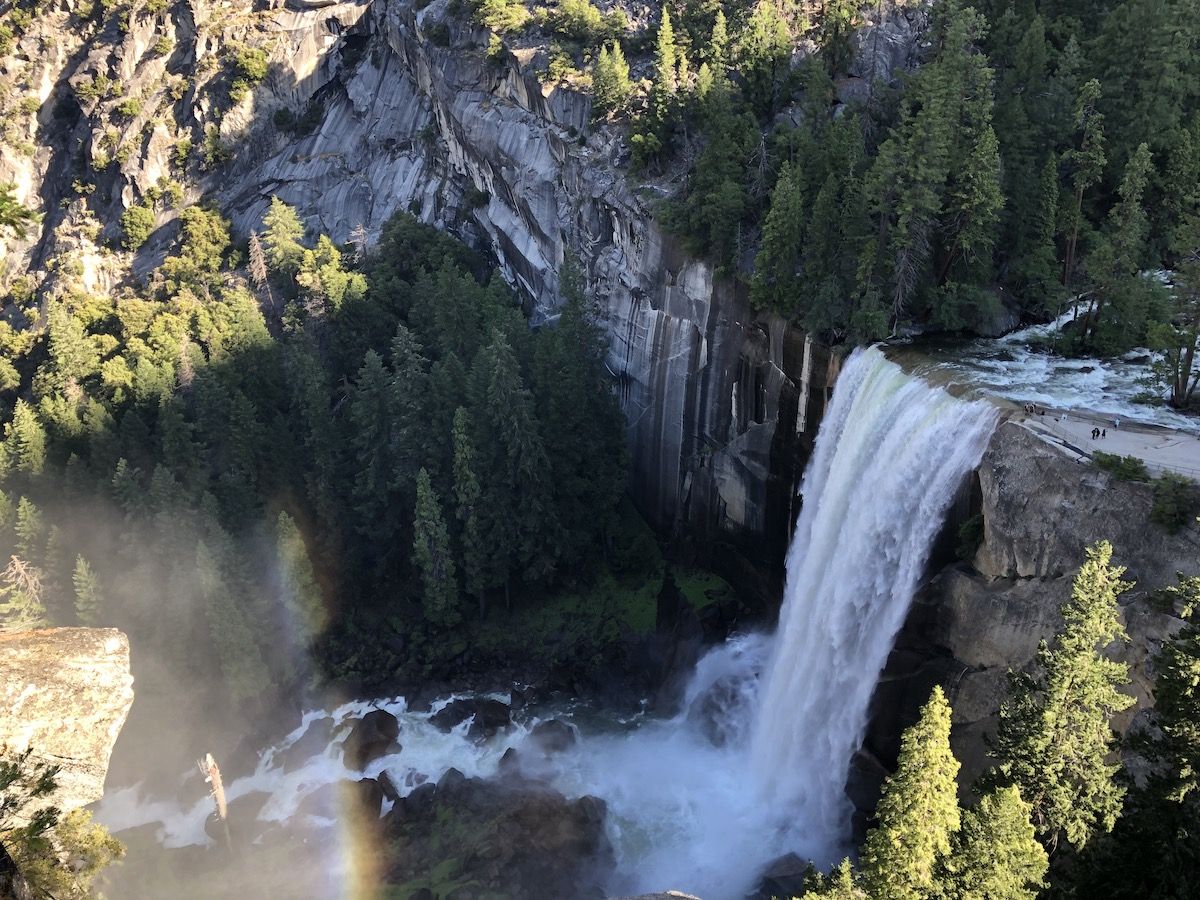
426, 754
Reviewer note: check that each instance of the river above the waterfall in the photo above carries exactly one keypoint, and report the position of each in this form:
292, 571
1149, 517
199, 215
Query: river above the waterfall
1021, 368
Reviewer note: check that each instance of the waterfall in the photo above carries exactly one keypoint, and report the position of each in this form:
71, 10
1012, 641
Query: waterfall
755, 765
891, 454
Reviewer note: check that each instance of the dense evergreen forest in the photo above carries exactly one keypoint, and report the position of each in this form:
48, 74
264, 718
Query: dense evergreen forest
360, 472
1043, 150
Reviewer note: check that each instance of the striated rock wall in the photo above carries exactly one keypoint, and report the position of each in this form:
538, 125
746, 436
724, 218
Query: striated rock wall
973, 622
411, 113
65, 692
721, 403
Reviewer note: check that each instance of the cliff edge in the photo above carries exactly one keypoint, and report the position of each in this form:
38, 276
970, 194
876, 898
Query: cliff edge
66, 692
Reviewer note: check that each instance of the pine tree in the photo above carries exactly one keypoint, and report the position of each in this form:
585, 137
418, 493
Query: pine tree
30, 528
1054, 734
13, 215
25, 441
435, 562
1040, 268
1115, 265
610, 81
1145, 56
648, 143
995, 854
517, 517
1087, 163
718, 48
665, 68
763, 58
710, 213
835, 30
309, 410
974, 202
1177, 696
466, 503
937, 171
581, 423
1177, 370
776, 280
1021, 122
56, 573
1152, 851
238, 654
298, 582
414, 444
258, 266
839, 884
918, 811
282, 234
73, 355
89, 602
370, 416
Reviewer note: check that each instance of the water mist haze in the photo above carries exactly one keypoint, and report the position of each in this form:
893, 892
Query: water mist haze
754, 764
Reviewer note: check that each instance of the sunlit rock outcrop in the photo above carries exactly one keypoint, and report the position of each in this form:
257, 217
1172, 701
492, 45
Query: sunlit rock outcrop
65, 692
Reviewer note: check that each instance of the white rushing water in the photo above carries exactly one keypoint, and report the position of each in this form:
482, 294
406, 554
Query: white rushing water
755, 765
891, 454
1020, 368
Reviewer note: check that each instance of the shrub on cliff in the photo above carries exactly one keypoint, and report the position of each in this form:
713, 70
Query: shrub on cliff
1176, 500
610, 81
13, 215
501, 16
1126, 468
137, 223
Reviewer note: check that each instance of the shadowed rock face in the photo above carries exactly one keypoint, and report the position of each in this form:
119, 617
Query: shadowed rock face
65, 692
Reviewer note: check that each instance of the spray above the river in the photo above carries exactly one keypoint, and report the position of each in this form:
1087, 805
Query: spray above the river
755, 764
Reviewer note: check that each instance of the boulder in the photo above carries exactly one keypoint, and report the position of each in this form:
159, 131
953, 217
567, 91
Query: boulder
373, 736
510, 762
388, 786
487, 716
65, 692
553, 736
719, 713
516, 838
784, 877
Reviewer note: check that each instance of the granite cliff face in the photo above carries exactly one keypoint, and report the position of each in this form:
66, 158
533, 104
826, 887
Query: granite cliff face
717, 399
404, 110
974, 621
66, 692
